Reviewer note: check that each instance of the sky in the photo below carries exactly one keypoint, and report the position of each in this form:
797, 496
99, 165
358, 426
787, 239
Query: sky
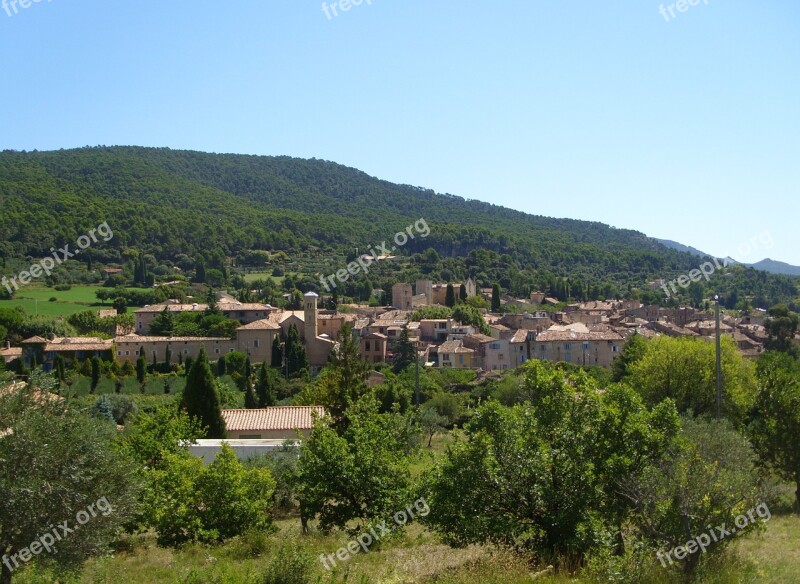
682, 123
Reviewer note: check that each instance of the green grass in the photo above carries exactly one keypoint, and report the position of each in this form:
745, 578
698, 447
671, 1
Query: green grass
415, 556
36, 300
253, 276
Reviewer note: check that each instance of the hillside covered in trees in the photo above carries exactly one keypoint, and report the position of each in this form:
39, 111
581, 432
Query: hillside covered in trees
172, 203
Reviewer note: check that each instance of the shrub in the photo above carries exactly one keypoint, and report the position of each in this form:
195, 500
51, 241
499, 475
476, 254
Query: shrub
62, 287
52, 299
292, 564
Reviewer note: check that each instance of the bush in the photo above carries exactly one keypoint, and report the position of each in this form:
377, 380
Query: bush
62, 287
52, 299
292, 564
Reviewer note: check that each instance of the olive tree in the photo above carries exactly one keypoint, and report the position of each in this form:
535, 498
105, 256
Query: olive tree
56, 465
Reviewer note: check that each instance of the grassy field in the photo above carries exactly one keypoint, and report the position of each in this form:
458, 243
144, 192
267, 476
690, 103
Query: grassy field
416, 556
253, 276
36, 300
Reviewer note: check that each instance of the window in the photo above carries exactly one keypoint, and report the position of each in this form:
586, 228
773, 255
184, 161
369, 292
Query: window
126, 353
119, 353
186, 351
567, 346
613, 348
255, 344
585, 346
216, 351
366, 346
446, 357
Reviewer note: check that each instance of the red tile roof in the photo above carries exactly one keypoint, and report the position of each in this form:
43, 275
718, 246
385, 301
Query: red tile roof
274, 418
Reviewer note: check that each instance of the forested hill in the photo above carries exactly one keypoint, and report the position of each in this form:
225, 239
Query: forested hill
169, 202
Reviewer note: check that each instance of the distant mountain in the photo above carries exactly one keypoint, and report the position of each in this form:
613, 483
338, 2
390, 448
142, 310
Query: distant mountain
680, 247
181, 207
776, 267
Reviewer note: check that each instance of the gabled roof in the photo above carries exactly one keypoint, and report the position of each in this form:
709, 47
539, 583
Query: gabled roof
575, 336
520, 336
79, 344
453, 347
263, 324
273, 418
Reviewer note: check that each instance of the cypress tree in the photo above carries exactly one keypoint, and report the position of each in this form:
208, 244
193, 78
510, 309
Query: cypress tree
495, 298
95, 373
200, 398
462, 292
450, 296
141, 367
221, 366
277, 352
265, 387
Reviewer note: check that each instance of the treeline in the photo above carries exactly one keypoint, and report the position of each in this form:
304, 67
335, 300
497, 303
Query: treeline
188, 209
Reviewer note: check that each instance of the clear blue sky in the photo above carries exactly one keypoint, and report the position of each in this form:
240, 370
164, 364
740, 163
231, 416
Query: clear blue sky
686, 129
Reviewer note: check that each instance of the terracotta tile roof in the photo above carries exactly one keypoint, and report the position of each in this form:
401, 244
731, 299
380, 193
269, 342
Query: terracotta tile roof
573, 336
11, 353
143, 339
264, 324
171, 307
79, 344
519, 336
34, 340
274, 418
453, 347
228, 306
479, 338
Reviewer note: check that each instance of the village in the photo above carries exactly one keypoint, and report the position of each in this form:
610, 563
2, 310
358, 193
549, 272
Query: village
589, 334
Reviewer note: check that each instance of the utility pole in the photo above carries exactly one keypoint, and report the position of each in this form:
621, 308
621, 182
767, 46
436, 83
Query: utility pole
719, 360
416, 358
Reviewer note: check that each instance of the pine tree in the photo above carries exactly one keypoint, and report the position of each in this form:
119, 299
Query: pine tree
200, 398
450, 297
495, 298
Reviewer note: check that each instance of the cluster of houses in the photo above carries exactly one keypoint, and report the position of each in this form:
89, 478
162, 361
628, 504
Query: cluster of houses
586, 334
